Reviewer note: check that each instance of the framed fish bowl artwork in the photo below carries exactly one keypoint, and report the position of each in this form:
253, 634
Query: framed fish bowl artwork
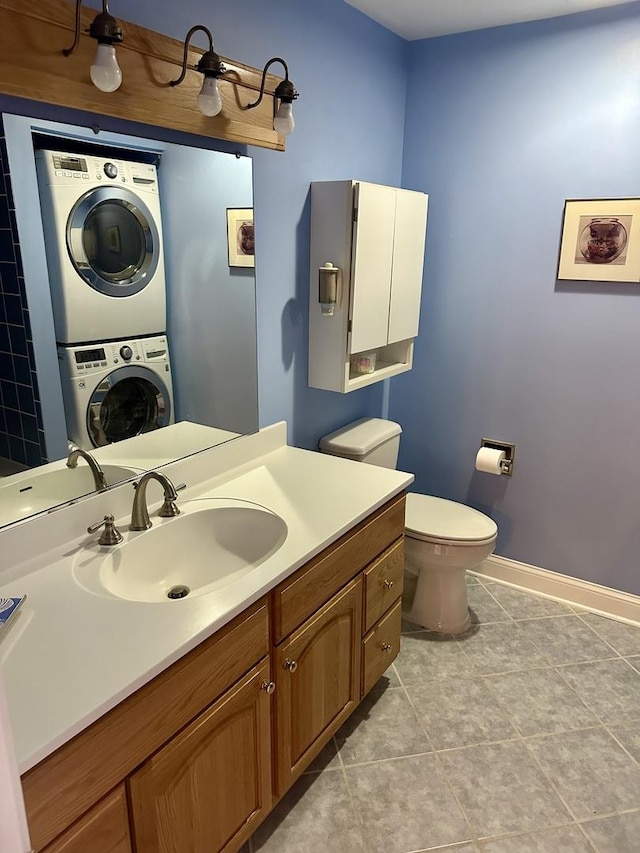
240, 237
600, 240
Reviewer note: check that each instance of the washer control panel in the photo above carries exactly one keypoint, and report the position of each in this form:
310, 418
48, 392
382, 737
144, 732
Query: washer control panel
103, 358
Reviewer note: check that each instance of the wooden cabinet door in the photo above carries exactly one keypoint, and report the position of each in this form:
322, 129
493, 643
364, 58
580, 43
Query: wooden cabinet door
408, 260
104, 829
209, 788
371, 266
318, 681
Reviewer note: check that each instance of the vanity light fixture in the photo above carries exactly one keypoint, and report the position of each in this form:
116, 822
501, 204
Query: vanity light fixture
210, 64
105, 29
283, 121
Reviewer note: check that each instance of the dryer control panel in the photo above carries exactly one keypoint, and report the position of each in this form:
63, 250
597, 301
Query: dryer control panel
94, 358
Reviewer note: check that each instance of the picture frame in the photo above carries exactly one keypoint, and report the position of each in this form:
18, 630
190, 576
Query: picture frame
240, 237
600, 240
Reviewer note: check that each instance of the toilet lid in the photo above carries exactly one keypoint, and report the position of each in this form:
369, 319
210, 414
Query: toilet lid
428, 517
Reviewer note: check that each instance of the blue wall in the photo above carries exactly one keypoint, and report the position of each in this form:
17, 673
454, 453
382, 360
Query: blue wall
351, 75
503, 125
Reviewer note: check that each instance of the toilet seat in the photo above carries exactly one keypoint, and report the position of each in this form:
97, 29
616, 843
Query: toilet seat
446, 522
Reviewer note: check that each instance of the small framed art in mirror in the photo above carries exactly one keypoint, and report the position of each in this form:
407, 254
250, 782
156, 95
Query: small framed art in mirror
240, 237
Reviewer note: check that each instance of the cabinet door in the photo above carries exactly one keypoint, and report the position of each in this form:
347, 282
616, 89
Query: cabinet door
318, 681
209, 788
408, 261
104, 829
371, 266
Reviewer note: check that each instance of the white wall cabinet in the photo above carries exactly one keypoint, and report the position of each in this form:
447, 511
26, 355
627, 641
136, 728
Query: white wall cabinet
375, 235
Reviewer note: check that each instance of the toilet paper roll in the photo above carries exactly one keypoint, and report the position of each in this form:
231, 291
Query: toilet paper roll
489, 460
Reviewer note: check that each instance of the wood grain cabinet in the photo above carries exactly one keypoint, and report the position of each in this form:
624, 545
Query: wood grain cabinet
195, 760
104, 829
318, 682
211, 785
381, 646
375, 235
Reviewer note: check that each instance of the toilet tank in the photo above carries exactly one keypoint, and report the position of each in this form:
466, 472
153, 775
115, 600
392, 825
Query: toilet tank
372, 440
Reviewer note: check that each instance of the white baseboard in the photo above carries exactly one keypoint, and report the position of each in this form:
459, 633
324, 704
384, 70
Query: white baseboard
591, 596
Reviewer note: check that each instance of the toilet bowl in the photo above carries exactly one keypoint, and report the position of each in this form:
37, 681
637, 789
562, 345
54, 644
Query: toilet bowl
442, 538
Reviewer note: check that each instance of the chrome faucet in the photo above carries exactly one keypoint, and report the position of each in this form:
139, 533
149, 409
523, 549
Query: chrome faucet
139, 513
98, 474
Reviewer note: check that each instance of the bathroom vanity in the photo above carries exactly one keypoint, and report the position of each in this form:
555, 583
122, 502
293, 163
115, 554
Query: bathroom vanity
177, 725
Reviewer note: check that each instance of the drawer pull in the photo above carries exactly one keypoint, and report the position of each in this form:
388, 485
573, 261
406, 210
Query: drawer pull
269, 687
386, 647
291, 665
388, 584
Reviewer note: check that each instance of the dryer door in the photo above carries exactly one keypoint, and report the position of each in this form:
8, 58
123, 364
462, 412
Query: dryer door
128, 402
113, 241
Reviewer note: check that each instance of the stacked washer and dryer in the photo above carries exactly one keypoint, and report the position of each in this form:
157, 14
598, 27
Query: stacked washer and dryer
103, 234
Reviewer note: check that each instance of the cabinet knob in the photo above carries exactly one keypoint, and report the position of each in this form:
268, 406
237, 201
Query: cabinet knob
269, 687
388, 584
386, 647
291, 665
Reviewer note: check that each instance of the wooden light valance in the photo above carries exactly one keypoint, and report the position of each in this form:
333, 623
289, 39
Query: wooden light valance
33, 34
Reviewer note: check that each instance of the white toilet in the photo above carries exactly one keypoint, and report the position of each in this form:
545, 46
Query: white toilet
443, 538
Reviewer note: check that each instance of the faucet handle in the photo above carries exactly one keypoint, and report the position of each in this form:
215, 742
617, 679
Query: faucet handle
110, 535
169, 508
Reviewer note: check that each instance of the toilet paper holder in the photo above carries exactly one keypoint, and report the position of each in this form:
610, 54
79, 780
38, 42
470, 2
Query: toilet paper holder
509, 451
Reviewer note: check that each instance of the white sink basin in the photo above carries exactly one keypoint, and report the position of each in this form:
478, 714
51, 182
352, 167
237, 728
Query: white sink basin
211, 543
42, 488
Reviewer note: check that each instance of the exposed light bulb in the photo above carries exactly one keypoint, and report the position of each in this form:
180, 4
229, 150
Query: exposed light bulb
105, 71
283, 122
209, 99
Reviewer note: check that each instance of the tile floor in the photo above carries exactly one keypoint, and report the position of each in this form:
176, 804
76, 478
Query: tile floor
523, 737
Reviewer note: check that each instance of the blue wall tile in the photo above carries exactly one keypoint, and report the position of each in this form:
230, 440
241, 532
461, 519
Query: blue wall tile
19, 384
9, 277
29, 427
4, 445
9, 394
17, 450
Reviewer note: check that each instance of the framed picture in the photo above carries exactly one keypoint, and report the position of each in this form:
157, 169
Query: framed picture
600, 240
240, 237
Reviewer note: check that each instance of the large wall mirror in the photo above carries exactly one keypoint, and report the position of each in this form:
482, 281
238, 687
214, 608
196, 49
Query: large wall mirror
128, 297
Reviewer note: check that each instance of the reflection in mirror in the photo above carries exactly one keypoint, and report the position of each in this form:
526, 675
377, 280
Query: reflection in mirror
124, 330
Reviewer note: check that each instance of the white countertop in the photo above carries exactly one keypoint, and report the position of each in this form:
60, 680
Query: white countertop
72, 655
35, 490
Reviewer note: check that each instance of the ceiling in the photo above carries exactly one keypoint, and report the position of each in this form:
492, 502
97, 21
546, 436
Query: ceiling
420, 19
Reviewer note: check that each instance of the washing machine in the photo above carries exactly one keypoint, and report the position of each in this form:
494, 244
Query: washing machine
116, 390
103, 237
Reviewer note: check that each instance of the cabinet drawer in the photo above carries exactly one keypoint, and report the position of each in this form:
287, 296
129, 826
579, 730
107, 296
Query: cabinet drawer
383, 583
66, 784
310, 587
105, 829
381, 647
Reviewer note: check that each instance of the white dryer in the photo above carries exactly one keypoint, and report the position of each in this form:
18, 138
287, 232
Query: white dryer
103, 235
116, 390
